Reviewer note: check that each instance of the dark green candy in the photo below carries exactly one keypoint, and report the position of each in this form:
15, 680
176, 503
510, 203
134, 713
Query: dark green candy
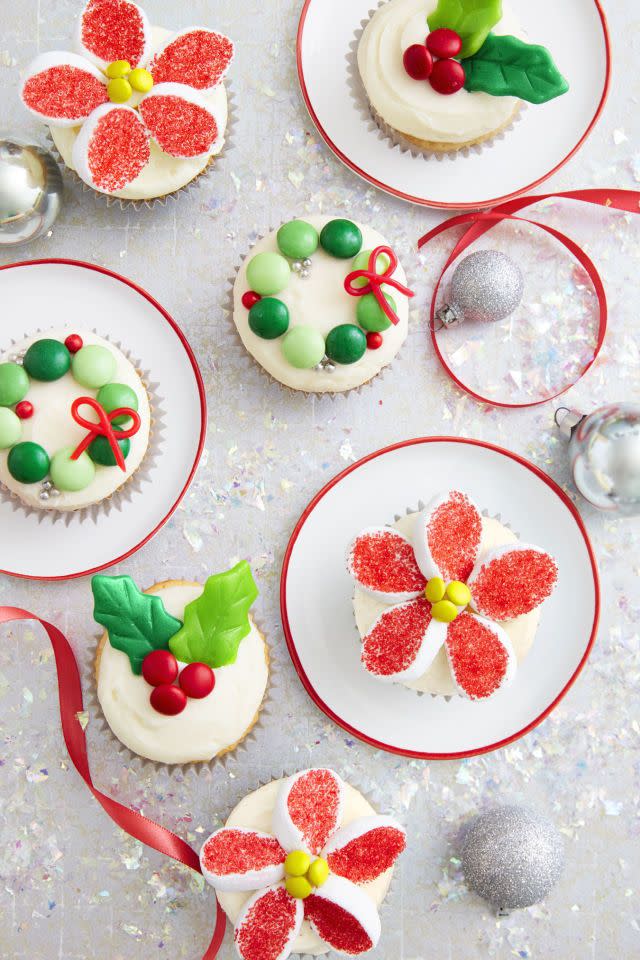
100, 451
341, 238
47, 360
346, 343
269, 318
28, 462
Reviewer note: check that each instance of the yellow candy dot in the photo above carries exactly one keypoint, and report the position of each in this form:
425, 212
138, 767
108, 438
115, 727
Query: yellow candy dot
458, 593
119, 90
444, 611
298, 887
434, 590
297, 863
141, 80
119, 68
318, 872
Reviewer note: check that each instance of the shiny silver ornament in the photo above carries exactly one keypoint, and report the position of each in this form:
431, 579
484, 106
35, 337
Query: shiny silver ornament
30, 192
604, 452
485, 286
511, 857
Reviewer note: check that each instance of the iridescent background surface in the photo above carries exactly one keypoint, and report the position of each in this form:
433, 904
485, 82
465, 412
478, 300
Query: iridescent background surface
73, 886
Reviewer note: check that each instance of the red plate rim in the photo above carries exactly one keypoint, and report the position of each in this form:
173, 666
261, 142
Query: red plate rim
460, 755
436, 204
203, 410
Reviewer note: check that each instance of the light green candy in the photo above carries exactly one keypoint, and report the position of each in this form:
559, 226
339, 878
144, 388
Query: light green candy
93, 366
303, 347
10, 428
14, 384
71, 475
361, 262
267, 273
298, 239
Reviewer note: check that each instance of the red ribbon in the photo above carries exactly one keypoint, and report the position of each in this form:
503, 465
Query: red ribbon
375, 281
132, 822
103, 427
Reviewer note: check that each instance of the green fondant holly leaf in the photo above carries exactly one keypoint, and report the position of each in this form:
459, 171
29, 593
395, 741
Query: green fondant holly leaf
471, 19
217, 621
508, 67
136, 622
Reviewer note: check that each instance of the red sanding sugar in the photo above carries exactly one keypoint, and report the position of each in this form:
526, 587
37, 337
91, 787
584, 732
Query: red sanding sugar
235, 851
64, 92
385, 561
118, 150
514, 583
313, 804
478, 659
265, 930
366, 857
336, 926
393, 644
453, 536
198, 58
113, 30
181, 128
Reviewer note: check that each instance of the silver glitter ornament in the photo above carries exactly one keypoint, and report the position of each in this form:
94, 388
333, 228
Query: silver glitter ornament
604, 452
485, 286
511, 857
30, 192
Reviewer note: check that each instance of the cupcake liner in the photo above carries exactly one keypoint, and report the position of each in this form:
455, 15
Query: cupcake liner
133, 485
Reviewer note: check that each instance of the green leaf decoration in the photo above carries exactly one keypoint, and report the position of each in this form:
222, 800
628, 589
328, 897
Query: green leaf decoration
136, 622
471, 19
508, 67
217, 621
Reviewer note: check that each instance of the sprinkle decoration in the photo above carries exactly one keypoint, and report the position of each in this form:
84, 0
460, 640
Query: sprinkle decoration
65, 92
365, 857
103, 427
375, 281
313, 805
336, 926
113, 30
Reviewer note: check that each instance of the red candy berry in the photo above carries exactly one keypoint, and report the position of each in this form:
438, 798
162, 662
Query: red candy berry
447, 76
159, 667
374, 340
417, 62
249, 298
197, 680
168, 699
73, 343
444, 43
24, 410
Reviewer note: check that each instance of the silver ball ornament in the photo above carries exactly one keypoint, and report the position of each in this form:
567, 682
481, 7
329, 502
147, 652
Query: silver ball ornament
485, 286
30, 192
512, 857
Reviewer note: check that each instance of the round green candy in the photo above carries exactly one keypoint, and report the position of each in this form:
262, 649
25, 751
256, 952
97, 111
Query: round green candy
14, 384
268, 273
115, 395
93, 366
269, 318
370, 314
297, 239
361, 262
10, 428
346, 343
303, 347
47, 360
71, 475
28, 462
100, 451
341, 238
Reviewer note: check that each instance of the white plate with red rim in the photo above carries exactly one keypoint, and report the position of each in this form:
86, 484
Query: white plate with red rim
574, 30
38, 293
317, 612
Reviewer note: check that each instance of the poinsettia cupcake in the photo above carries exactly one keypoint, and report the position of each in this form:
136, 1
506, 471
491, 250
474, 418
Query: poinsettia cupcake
137, 111
447, 601
302, 866
182, 668
447, 74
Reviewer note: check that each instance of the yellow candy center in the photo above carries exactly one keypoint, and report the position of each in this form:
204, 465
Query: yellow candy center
447, 600
302, 875
123, 81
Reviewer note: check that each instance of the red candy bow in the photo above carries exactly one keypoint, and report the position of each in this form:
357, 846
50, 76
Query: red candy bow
376, 280
103, 428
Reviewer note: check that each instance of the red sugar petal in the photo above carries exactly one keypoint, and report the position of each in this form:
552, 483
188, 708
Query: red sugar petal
65, 92
336, 926
266, 929
453, 536
313, 804
181, 128
198, 58
477, 658
235, 851
113, 30
393, 643
513, 583
384, 561
118, 150
366, 857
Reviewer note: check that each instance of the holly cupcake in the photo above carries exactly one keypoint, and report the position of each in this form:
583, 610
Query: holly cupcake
136, 111
75, 420
447, 601
446, 74
182, 668
302, 866
322, 304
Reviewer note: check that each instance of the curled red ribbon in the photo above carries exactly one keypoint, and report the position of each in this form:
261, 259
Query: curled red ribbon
103, 427
132, 822
375, 281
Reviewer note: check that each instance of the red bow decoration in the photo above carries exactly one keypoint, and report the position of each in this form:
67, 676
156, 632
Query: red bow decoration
103, 428
375, 281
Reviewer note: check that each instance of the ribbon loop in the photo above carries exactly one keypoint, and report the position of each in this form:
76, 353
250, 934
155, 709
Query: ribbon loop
103, 427
375, 281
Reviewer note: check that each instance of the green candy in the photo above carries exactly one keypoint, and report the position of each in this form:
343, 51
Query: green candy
341, 238
297, 239
28, 462
370, 314
115, 395
14, 384
346, 343
268, 273
47, 360
71, 475
10, 428
303, 347
269, 318
361, 262
100, 451
93, 366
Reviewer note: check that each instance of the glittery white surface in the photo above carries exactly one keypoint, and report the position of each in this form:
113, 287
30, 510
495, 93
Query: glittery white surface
73, 886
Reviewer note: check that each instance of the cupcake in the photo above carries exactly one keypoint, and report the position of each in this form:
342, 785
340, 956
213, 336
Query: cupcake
138, 112
447, 601
182, 668
75, 420
447, 74
322, 304
302, 866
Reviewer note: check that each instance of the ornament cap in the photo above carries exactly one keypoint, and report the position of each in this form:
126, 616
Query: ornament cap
567, 420
447, 316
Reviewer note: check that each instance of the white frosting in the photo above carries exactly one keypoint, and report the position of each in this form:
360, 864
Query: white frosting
255, 812
205, 727
413, 107
53, 427
320, 301
163, 174
437, 679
